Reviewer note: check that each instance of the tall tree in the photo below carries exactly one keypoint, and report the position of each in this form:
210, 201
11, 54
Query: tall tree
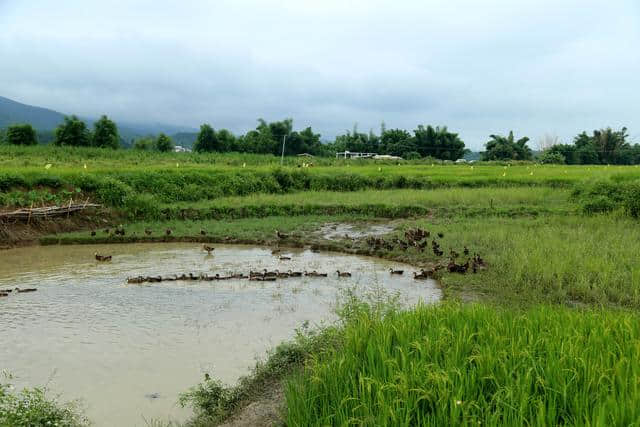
164, 143
611, 145
227, 140
22, 134
207, 139
397, 142
507, 148
105, 133
438, 142
73, 132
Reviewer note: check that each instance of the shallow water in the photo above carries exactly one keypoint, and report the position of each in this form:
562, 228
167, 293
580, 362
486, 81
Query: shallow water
128, 350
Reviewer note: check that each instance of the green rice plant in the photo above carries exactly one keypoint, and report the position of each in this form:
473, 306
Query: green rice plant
474, 365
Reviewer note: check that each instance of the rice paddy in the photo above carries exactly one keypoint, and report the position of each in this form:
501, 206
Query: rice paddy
546, 334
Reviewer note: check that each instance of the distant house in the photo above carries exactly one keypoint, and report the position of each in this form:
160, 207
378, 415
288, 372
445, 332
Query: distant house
386, 157
181, 149
355, 155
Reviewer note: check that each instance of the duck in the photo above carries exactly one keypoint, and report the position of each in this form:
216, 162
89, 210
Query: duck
148, 231
208, 248
343, 273
295, 273
285, 258
203, 232
25, 290
6, 291
154, 279
4, 294
102, 258
168, 232
135, 280
424, 274
392, 271
441, 235
465, 250
93, 233
420, 276
269, 273
282, 274
281, 235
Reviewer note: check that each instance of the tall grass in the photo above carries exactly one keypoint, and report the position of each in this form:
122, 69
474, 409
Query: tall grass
474, 365
563, 259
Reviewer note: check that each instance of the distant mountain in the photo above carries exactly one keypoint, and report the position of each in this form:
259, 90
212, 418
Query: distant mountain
12, 112
45, 120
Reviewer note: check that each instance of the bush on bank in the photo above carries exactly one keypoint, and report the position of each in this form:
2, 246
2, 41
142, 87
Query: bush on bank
32, 407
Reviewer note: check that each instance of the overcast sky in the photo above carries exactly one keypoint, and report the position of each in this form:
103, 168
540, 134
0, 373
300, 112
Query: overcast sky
479, 67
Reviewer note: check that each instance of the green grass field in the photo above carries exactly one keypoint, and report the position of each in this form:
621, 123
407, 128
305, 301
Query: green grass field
551, 336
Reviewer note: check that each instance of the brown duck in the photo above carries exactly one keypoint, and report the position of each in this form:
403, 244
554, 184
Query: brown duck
102, 258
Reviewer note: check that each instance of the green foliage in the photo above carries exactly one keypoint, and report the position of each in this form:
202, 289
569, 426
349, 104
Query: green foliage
72, 132
163, 143
207, 140
507, 148
439, 143
551, 158
31, 407
607, 196
105, 134
144, 144
604, 146
22, 134
474, 365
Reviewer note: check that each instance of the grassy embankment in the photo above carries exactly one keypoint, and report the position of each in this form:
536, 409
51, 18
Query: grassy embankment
509, 360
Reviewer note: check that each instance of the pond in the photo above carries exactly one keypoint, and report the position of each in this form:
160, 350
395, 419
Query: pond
128, 350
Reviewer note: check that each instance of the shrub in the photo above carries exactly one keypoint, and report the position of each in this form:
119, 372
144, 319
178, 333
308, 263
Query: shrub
112, 192
23, 134
31, 407
549, 157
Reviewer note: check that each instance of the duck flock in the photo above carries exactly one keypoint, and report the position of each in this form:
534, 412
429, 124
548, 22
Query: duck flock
8, 292
415, 238
419, 239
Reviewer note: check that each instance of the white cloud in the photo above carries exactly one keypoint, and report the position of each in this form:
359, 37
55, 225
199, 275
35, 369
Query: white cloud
478, 67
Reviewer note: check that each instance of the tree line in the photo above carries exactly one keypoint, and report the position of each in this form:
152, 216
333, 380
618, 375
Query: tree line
603, 146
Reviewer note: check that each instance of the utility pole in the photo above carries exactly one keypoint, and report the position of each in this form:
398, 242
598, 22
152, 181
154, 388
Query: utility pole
284, 139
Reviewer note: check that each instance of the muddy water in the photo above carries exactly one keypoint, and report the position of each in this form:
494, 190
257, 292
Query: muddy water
128, 350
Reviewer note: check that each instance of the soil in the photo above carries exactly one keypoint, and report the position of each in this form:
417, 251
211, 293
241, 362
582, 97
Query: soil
262, 412
338, 231
20, 233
